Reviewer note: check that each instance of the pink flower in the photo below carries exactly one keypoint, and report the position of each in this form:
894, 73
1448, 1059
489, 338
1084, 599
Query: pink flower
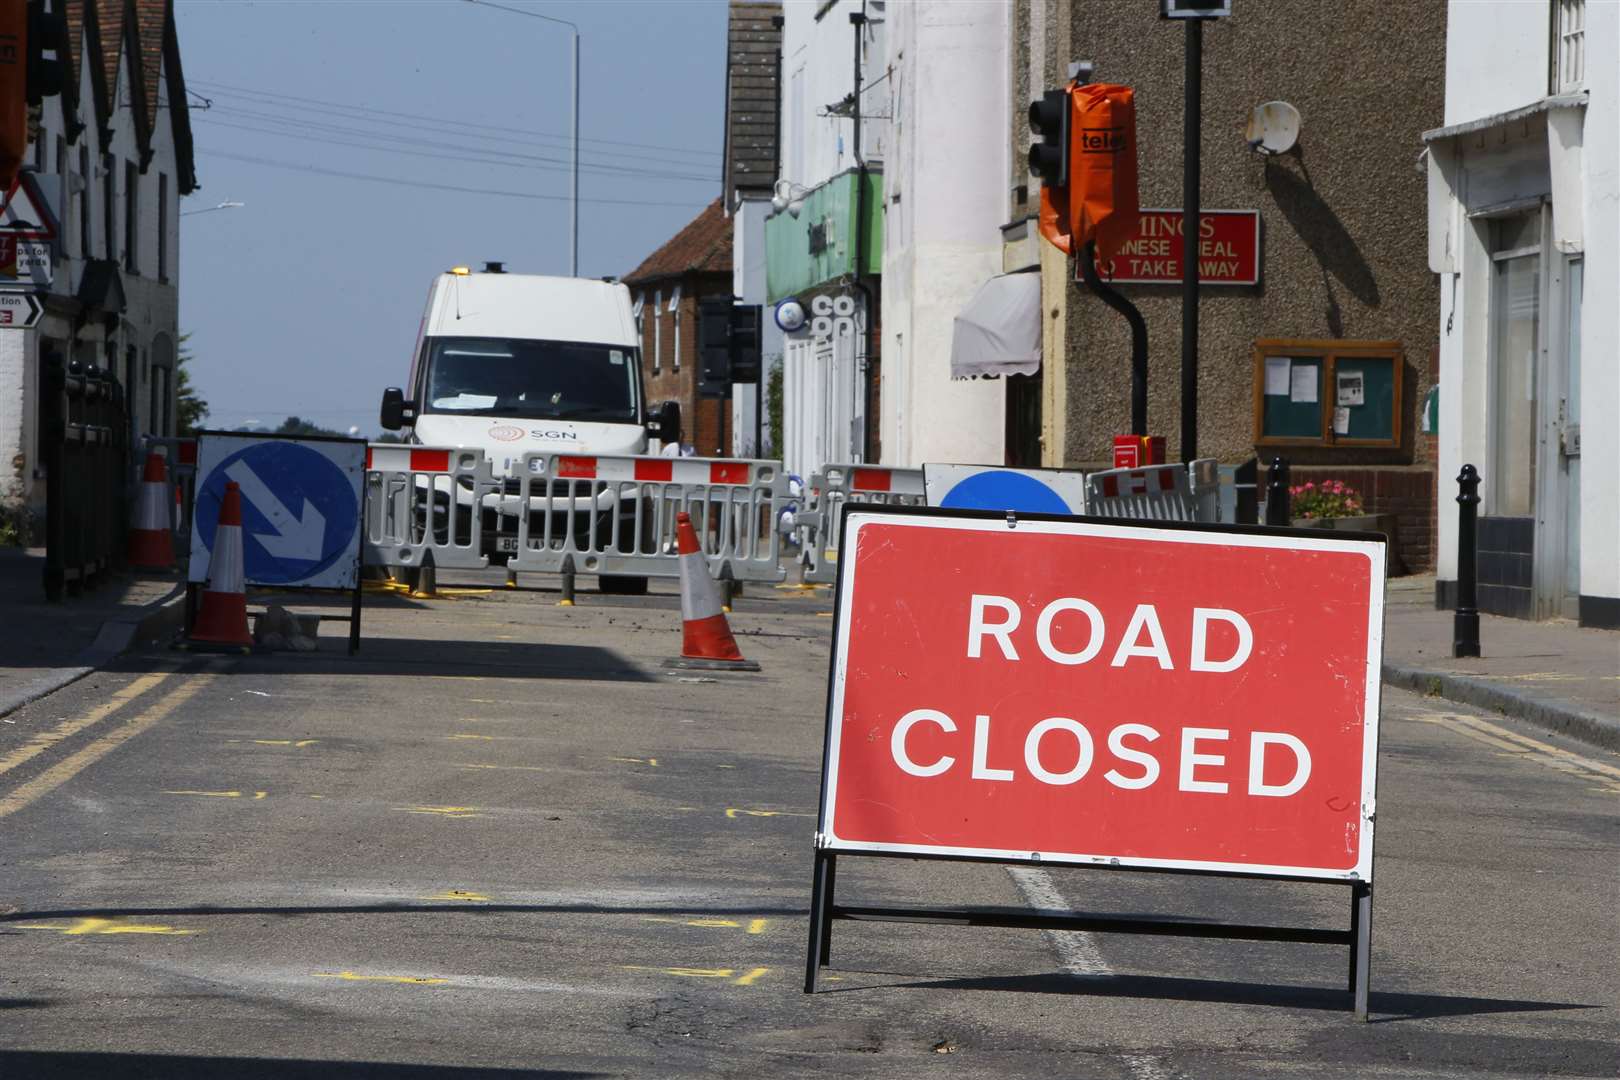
1310, 484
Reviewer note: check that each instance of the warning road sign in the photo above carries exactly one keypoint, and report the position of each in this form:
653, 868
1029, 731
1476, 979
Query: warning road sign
1058, 691
24, 214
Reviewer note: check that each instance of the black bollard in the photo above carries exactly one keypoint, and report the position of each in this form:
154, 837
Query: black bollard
1465, 623
1277, 493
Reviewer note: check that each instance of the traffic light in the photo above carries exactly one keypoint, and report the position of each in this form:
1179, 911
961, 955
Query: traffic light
714, 343
728, 344
1195, 9
13, 90
1049, 158
47, 33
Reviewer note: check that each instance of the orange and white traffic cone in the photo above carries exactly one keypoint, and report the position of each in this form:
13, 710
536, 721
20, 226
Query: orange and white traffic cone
151, 545
707, 640
222, 614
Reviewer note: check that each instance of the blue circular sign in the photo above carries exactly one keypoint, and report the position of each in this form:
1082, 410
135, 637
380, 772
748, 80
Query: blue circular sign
997, 490
299, 510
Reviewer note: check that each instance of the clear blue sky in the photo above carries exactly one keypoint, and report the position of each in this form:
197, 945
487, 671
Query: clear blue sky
306, 300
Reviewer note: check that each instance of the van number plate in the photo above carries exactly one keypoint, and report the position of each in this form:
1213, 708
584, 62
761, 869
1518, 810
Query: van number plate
506, 543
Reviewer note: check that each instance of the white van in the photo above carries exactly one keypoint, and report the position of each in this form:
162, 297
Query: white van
513, 363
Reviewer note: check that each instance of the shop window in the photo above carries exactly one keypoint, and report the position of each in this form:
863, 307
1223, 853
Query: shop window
1327, 393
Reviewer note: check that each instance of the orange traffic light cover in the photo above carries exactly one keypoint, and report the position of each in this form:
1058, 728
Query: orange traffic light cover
1101, 201
13, 89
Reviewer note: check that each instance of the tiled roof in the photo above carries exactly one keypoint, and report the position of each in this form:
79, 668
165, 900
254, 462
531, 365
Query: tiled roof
110, 14
151, 20
702, 247
751, 96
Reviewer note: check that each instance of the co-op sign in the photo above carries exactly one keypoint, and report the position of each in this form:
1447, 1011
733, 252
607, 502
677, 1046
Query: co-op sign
1085, 693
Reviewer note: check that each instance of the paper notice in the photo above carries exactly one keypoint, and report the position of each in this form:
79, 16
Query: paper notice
1302, 383
1277, 376
1352, 389
1341, 420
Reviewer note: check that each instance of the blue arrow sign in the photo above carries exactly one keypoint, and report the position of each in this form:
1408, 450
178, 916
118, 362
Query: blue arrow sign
1024, 491
300, 510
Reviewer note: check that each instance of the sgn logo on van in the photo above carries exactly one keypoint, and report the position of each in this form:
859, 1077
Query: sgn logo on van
557, 436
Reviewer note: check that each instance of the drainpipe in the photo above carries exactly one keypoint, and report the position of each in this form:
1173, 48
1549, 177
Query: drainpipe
857, 20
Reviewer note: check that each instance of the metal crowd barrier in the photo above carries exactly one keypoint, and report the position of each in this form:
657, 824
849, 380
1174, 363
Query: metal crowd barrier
571, 513
412, 498
833, 488
615, 514
180, 463
1157, 492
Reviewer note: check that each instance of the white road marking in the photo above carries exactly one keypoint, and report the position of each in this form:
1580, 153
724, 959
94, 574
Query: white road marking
1077, 951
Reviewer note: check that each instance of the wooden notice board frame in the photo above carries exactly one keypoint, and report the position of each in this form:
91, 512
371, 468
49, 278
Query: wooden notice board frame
1289, 423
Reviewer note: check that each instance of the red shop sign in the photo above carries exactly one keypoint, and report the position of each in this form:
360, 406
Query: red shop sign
1229, 250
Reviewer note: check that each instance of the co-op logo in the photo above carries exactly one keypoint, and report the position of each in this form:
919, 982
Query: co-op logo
832, 317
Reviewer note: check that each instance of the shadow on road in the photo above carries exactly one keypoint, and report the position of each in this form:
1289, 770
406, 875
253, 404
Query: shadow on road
401, 908
426, 656
1389, 1006
68, 1065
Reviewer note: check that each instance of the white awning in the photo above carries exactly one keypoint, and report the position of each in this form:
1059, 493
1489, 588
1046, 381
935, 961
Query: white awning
999, 331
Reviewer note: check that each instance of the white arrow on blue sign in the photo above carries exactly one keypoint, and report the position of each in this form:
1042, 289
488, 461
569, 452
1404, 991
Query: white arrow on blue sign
300, 507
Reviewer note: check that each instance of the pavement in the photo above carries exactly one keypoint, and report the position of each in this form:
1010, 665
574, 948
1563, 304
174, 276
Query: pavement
45, 646
507, 840
1555, 674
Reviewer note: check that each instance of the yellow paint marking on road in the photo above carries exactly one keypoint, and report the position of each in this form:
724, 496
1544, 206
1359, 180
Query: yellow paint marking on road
686, 972
260, 794
652, 761
517, 768
750, 978
114, 925
456, 894
211, 794
74, 763
734, 812
301, 743
47, 739
273, 742
480, 738
725, 766
707, 923
317, 796
757, 926
1516, 745
409, 980
443, 811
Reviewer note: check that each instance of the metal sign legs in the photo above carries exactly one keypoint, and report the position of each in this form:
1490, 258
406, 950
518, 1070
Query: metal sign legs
824, 910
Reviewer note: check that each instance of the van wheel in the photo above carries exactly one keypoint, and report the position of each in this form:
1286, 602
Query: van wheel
621, 585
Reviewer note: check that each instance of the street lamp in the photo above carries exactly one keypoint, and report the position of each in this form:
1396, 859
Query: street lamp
573, 230
226, 205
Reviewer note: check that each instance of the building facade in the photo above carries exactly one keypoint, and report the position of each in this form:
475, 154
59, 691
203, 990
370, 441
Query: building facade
1343, 288
944, 200
665, 290
1524, 219
111, 159
824, 243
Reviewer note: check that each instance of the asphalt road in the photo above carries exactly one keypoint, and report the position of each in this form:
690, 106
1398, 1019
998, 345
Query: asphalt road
506, 840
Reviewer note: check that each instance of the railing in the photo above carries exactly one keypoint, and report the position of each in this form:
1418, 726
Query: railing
85, 449
831, 490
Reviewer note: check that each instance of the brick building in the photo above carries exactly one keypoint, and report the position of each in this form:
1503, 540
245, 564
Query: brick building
694, 264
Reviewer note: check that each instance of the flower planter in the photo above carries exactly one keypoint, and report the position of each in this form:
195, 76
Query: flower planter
1379, 523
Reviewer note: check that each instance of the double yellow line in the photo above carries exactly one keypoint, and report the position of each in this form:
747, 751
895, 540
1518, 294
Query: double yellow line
75, 763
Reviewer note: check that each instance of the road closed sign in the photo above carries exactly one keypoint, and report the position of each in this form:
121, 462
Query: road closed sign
1117, 694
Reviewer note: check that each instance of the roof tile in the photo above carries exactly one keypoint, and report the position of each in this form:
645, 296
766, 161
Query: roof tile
702, 247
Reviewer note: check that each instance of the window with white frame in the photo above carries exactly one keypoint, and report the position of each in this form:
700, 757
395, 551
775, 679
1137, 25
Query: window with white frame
1569, 46
658, 330
675, 317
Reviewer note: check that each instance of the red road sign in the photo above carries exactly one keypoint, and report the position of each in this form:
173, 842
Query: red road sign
1105, 694
1228, 250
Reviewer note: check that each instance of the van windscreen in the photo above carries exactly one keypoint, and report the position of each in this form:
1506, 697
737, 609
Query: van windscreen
537, 380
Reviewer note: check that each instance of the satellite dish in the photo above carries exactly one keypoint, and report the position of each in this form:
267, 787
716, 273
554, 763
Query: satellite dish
1273, 128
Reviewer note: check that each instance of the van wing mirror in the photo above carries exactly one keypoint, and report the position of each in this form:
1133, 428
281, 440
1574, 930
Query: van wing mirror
396, 411
667, 426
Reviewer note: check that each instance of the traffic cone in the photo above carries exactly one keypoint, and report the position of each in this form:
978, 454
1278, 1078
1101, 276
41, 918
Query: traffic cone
707, 640
151, 544
222, 614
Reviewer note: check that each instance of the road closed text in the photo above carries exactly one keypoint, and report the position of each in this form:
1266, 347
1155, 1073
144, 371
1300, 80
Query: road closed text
1092, 692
